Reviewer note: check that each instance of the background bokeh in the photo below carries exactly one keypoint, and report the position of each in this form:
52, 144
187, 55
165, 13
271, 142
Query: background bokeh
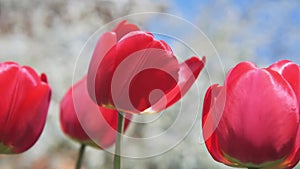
49, 35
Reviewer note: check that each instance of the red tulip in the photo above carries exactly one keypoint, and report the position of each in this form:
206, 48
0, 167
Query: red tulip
25, 99
252, 121
132, 72
84, 121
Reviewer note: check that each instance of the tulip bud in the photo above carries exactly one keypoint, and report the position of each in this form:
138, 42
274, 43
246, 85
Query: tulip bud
25, 99
86, 122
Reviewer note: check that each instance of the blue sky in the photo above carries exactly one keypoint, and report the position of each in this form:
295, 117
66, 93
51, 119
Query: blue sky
277, 24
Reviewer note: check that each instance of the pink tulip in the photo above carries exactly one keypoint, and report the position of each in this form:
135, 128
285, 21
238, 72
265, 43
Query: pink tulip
252, 120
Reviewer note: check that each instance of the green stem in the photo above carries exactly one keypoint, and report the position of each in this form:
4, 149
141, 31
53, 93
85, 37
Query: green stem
117, 158
80, 156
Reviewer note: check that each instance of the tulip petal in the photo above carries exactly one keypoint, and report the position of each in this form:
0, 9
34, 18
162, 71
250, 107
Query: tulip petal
211, 117
104, 44
8, 77
71, 110
294, 157
137, 41
250, 124
238, 71
213, 105
189, 71
291, 72
123, 28
136, 88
